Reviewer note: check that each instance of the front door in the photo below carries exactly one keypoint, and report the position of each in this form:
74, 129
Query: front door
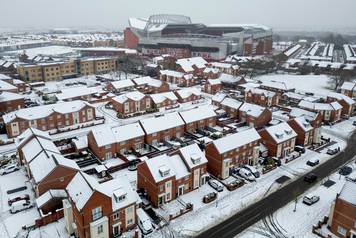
160, 199
75, 117
116, 230
196, 178
180, 190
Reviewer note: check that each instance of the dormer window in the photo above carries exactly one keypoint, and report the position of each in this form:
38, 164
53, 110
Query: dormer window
288, 132
195, 159
120, 195
279, 136
164, 171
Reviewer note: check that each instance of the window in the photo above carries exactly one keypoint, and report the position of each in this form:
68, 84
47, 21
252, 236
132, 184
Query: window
108, 147
96, 213
341, 230
161, 188
100, 229
116, 216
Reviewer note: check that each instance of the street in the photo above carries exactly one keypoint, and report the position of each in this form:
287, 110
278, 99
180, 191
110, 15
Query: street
259, 210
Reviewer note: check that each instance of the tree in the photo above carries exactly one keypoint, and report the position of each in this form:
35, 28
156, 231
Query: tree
339, 78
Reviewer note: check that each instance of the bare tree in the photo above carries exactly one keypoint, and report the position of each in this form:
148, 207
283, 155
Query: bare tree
339, 78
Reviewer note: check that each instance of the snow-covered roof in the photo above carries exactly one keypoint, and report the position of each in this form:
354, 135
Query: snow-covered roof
188, 63
221, 65
252, 109
319, 106
249, 85
4, 77
135, 96
348, 192
5, 86
259, 91
45, 110
122, 84
81, 91
236, 140
228, 78
160, 97
294, 95
303, 123
214, 81
147, 80
348, 86
28, 133
339, 96
211, 70
281, 132
232, 103
292, 50
9, 96
193, 156
198, 114
35, 146
49, 195
172, 73
218, 97
277, 85
80, 142
187, 92
298, 112
165, 122
106, 135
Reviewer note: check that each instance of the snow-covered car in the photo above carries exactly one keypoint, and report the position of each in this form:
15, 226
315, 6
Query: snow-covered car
253, 170
9, 169
246, 174
332, 151
310, 199
144, 222
20, 206
216, 185
346, 170
310, 178
313, 161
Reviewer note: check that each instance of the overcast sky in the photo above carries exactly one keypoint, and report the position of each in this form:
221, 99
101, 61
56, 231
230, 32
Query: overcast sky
114, 14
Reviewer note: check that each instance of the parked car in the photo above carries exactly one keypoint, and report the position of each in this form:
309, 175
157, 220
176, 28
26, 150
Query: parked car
238, 182
310, 178
20, 206
351, 177
216, 185
144, 222
346, 170
246, 174
310, 199
313, 161
253, 170
299, 148
15, 199
277, 161
210, 197
332, 151
9, 169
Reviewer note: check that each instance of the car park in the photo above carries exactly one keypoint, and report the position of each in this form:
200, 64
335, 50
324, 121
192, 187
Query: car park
216, 185
144, 222
246, 174
346, 170
9, 169
310, 178
253, 170
310, 199
15, 199
313, 161
20, 206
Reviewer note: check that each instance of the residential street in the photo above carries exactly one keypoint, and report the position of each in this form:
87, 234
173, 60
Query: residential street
247, 217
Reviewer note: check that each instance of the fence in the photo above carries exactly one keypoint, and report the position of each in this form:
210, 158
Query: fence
49, 218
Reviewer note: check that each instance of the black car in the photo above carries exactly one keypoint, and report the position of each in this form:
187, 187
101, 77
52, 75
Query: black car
310, 178
299, 148
346, 170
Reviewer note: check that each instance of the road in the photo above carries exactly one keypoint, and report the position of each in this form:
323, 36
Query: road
266, 206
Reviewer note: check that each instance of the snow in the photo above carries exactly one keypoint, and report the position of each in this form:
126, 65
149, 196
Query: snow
303, 123
197, 114
188, 64
120, 84
292, 50
162, 123
147, 81
236, 140
214, 81
228, 78
47, 196
320, 106
37, 145
187, 92
281, 132
252, 109
348, 192
340, 96
81, 91
348, 86
53, 50
9, 96
172, 73
193, 156
5, 86
135, 96
160, 97
232, 103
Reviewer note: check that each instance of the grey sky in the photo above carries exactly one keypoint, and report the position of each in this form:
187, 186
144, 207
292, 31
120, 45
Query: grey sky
113, 14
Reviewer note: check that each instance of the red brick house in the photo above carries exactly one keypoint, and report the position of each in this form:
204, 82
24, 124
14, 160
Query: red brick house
233, 150
7, 87
44, 164
347, 103
304, 130
254, 115
261, 97
226, 68
342, 217
188, 95
99, 210
194, 65
217, 99
49, 117
89, 94
10, 102
331, 112
231, 107
165, 127
212, 86
167, 177
171, 76
278, 87
107, 142
211, 73
198, 118
131, 103
150, 85
164, 100
349, 89
279, 139
120, 86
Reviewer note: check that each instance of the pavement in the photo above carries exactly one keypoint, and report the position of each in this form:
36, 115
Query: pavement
266, 206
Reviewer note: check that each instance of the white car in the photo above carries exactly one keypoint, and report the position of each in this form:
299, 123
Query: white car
310, 199
20, 206
144, 221
9, 169
246, 174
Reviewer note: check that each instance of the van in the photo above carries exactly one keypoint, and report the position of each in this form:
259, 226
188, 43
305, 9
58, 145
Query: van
20, 206
144, 222
9, 169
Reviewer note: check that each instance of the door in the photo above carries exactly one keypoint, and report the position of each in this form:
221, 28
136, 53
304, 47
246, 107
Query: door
160, 199
15, 128
168, 191
75, 117
116, 229
225, 168
180, 190
196, 178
